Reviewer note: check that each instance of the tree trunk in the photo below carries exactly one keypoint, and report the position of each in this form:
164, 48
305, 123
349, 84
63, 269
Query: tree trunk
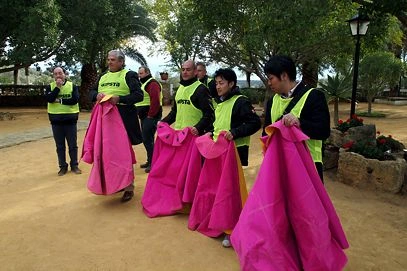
336, 111
15, 75
88, 78
310, 73
369, 106
248, 78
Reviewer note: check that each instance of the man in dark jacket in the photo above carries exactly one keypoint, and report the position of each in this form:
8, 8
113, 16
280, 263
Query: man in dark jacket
297, 104
234, 114
192, 106
124, 87
63, 111
149, 111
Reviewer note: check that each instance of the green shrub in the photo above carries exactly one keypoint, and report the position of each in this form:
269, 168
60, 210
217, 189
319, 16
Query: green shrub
343, 126
380, 149
255, 95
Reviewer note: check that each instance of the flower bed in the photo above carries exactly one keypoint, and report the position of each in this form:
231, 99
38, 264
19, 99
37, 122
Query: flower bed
366, 159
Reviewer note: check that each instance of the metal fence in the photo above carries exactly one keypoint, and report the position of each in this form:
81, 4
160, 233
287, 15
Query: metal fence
22, 95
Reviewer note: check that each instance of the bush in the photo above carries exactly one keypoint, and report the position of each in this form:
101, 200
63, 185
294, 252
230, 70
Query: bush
381, 149
255, 95
343, 126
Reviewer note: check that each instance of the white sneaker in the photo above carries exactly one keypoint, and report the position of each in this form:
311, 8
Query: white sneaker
226, 241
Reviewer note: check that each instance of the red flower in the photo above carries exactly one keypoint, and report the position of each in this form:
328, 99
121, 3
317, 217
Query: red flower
382, 141
340, 122
348, 145
354, 116
378, 132
348, 120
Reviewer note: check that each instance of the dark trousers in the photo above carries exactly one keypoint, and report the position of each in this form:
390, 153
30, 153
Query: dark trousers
66, 132
320, 169
148, 129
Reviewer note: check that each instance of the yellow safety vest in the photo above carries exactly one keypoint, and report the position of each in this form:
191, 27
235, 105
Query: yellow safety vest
223, 118
114, 83
187, 114
280, 104
146, 99
64, 93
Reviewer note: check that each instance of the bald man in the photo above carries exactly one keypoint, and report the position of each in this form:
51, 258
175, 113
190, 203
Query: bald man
63, 111
192, 106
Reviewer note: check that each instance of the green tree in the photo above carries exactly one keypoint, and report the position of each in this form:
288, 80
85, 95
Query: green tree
337, 88
378, 71
28, 33
93, 27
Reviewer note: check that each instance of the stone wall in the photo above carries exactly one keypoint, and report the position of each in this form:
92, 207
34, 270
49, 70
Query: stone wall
358, 171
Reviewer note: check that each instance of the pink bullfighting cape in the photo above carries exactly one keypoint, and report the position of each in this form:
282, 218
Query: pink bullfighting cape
108, 147
288, 221
166, 181
221, 190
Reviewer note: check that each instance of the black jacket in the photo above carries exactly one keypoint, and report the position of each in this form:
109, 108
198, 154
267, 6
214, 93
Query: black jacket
314, 118
126, 106
201, 99
245, 121
59, 119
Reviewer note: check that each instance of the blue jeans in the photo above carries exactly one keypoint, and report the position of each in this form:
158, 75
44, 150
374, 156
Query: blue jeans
66, 132
148, 129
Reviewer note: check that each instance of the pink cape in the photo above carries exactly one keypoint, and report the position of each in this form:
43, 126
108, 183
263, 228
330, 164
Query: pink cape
108, 147
218, 202
166, 181
288, 221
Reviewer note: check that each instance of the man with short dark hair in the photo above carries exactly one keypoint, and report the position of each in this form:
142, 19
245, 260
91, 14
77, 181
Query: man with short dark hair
149, 111
296, 104
202, 76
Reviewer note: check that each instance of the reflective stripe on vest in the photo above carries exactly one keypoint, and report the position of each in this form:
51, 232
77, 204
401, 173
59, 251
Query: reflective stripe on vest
64, 93
280, 104
114, 83
146, 100
223, 118
187, 114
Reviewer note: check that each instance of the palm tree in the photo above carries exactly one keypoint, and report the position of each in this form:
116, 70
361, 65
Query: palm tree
337, 88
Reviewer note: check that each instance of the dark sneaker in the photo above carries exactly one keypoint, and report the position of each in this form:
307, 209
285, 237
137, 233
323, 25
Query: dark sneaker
76, 170
62, 171
128, 195
146, 165
148, 169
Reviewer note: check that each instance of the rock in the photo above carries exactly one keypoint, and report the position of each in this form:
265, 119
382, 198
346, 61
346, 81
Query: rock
330, 158
365, 132
335, 139
355, 170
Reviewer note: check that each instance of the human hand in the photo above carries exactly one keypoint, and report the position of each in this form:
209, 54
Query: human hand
59, 82
114, 100
99, 97
290, 120
228, 135
194, 131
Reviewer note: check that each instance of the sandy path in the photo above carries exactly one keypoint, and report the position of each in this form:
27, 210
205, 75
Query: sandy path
53, 223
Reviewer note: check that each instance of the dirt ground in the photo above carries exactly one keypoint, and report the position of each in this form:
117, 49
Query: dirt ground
54, 223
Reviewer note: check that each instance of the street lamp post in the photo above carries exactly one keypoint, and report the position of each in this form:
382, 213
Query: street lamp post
358, 26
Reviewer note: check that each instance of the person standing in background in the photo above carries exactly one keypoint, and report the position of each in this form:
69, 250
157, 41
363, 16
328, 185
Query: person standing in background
124, 87
202, 76
149, 111
63, 111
